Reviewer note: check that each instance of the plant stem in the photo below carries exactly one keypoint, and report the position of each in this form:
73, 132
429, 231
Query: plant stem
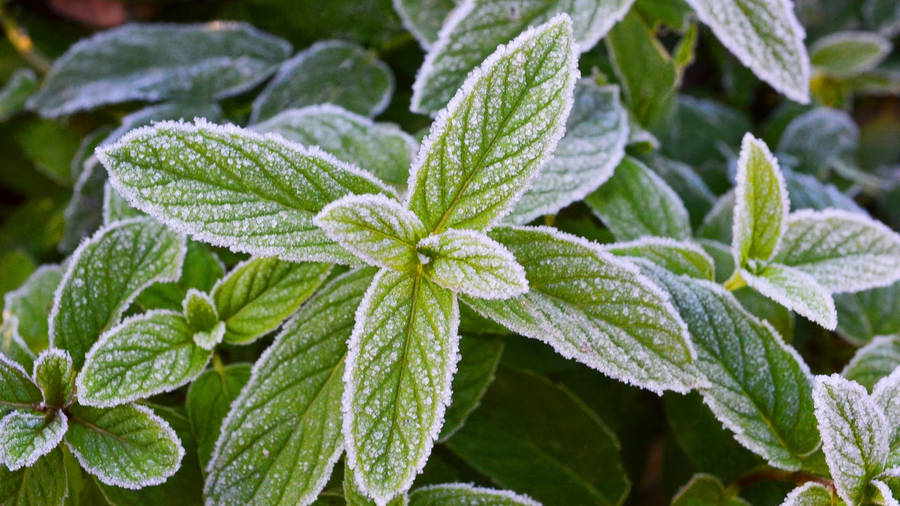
735, 282
23, 43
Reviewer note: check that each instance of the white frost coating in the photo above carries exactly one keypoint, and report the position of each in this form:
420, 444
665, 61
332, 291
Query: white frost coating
501, 495
8, 362
854, 434
856, 38
887, 495
843, 251
39, 437
472, 263
644, 246
10, 298
809, 494
795, 290
879, 356
778, 56
886, 395
413, 26
115, 481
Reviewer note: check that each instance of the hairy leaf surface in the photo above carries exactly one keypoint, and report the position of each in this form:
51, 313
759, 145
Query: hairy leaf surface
423, 18
16, 388
795, 290
809, 494
886, 395
874, 361
25, 437
679, 257
54, 374
463, 493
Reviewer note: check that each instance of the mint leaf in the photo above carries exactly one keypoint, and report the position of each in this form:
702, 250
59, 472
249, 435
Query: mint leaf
54, 374
818, 137
401, 360
144, 355
869, 313
706, 489
41, 484
381, 148
470, 262
208, 401
854, 435
844, 252
331, 71
765, 36
718, 224
874, 361
374, 228
807, 192
686, 182
479, 357
283, 433
423, 18
27, 307
602, 312
201, 270
25, 437
492, 138
635, 202
809, 494
20, 85
795, 290
477, 27
115, 207
16, 388
594, 143
126, 446
846, 54
260, 293
156, 62
463, 493
761, 204
886, 395
679, 257
355, 497
260, 192
199, 311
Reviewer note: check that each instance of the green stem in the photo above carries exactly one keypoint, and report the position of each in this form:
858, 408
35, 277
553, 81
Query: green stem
735, 282
218, 365
23, 43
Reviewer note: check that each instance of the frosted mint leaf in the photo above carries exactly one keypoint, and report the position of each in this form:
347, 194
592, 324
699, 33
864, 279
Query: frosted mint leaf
635, 202
16, 388
260, 293
103, 276
706, 489
882, 493
401, 360
484, 149
28, 307
207, 403
686, 182
765, 36
854, 435
759, 387
472, 263
177, 110
585, 157
477, 27
25, 437
819, 136
259, 192
283, 433
680, 257
807, 192
115, 207
886, 395
869, 313
846, 54
463, 493
13, 347
54, 374
423, 18
479, 358
332, 71
200, 270
375, 228
199, 310
144, 355
718, 224
20, 85
809, 494
721, 255
157, 62
844, 252
41, 484
126, 446
595, 308
761, 204
381, 148
874, 361
795, 290
356, 497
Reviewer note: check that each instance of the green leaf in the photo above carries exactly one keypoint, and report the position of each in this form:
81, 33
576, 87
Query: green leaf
50, 146
761, 204
374, 228
423, 18
260, 293
478, 362
54, 374
886, 395
28, 306
718, 224
333, 72
537, 438
25, 437
807, 192
103, 276
864, 315
401, 360
260, 192
157, 62
759, 387
42, 484
13, 347
765, 36
594, 308
844, 252
201, 270
353, 496
16, 388
686, 182
854, 435
818, 137
477, 27
846, 54
144, 355
874, 361
381, 148
199, 311
20, 85
115, 207
464, 493
679, 257
795, 290
635, 202
283, 434
471, 263
810, 494
208, 401
594, 143
781, 318
492, 138
705, 489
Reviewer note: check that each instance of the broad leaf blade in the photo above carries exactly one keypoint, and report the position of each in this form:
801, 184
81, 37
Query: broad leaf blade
479, 357
231, 187
208, 401
423, 18
706, 489
819, 136
30, 305
16, 388
201, 270
463, 493
679, 257
846, 54
864, 315
795, 290
42, 484
131, 255
503, 123
15, 92
401, 360
25, 437
54, 374
874, 361
809, 494
886, 395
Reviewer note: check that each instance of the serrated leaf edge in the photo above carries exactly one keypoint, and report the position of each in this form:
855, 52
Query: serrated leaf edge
39, 452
